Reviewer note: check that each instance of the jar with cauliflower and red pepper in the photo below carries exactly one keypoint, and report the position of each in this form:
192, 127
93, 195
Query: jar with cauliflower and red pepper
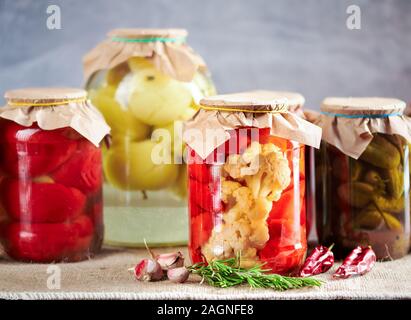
50, 175
246, 182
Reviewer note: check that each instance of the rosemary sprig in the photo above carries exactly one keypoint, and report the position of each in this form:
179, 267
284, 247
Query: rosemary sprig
228, 273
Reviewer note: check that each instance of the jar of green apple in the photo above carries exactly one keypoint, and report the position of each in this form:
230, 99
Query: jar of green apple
50, 175
246, 173
146, 82
363, 176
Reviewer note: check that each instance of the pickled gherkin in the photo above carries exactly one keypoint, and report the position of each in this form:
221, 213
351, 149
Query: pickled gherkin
381, 153
365, 201
356, 194
395, 182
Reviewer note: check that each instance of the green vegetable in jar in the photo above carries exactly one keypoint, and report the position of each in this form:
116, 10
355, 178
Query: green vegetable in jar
397, 141
369, 219
395, 181
381, 153
390, 204
373, 178
356, 194
392, 222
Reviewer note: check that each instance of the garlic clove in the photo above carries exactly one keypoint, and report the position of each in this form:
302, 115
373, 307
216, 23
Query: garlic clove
170, 260
178, 275
148, 270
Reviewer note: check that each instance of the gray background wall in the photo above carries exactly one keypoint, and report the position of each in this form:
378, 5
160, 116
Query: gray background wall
285, 44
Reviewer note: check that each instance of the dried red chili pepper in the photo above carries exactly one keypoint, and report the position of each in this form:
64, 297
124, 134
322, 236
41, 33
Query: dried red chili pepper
319, 261
358, 262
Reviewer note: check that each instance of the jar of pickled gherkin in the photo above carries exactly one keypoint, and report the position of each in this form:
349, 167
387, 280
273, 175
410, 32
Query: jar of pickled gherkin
50, 175
407, 112
246, 182
146, 82
363, 176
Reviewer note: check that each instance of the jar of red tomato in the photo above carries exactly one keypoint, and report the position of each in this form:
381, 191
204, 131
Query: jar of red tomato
247, 181
50, 175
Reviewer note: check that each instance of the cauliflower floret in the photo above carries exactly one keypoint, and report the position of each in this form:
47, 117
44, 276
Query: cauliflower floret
263, 167
244, 199
241, 228
232, 215
265, 171
249, 258
227, 189
233, 166
238, 166
261, 209
259, 234
272, 177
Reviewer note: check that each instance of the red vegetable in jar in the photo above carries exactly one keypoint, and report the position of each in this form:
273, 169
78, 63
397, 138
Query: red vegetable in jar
40, 242
248, 197
41, 202
50, 181
41, 151
83, 170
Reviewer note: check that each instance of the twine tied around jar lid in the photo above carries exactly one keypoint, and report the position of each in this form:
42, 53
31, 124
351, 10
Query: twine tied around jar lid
37, 97
55, 108
258, 109
165, 48
139, 35
253, 102
349, 123
353, 108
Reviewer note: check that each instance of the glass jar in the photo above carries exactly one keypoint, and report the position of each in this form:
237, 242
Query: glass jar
224, 215
310, 169
145, 106
296, 102
248, 196
50, 190
364, 201
407, 112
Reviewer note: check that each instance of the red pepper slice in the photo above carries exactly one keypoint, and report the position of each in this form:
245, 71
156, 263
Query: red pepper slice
204, 195
34, 202
201, 227
319, 261
358, 262
281, 258
285, 207
47, 242
200, 172
284, 252
31, 151
82, 170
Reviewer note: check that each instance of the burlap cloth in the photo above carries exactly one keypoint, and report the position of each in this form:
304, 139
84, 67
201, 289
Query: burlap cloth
107, 277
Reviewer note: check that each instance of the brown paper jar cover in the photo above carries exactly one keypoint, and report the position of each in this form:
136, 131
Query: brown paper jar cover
349, 123
295, 100
174, 58
54, 108
259, 109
